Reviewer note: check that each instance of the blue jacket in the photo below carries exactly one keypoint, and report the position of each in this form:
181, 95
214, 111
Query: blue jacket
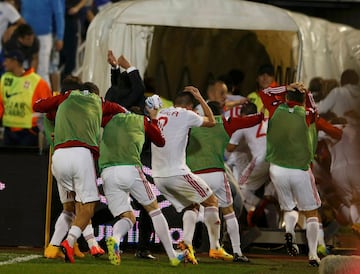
45, 16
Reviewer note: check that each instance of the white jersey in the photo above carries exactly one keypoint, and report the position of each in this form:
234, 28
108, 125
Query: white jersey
255, 138
170, 160
346, 151
8, 14
341, 100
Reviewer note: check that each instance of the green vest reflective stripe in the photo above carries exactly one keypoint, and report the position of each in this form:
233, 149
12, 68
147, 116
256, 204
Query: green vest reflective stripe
17, 93
289, 142
78, 118
206, 147
122, 140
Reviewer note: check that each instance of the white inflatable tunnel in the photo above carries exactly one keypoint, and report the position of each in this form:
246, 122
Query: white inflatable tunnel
312, 47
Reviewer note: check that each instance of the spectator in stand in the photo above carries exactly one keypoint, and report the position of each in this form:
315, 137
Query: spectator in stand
10, 18
71, 35
344, 98
89, 12
25, 40
43, 16
19, 90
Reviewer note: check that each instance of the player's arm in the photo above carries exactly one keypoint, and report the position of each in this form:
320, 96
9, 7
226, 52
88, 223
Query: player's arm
209, 119
49, 104
331, 130
235, 123
234, 140
234, 103
152, 129
272, 97
111, 108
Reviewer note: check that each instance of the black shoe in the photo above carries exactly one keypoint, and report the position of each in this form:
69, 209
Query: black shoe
144, 254
291, 247
314, 263
240, 259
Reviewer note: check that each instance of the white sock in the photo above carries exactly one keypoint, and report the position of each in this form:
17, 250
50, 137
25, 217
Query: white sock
312, 231
290, 219
212, 222
62, 226
88, 234
161, 228
73, 235
121, 227
232, 227
321, 240
189, 224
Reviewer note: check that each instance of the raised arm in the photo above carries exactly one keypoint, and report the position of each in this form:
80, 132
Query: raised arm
151, 127
209, 119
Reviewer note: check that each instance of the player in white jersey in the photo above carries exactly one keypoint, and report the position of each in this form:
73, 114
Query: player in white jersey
256, 172
171, 174
344, 169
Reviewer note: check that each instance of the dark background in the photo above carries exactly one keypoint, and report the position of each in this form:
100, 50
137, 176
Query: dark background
343, 12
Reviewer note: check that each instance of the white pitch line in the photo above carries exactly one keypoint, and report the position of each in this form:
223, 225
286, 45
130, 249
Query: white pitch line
20, 259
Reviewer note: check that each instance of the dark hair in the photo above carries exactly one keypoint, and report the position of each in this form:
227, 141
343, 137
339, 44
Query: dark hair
71, 82
266, 69
237, 76
316, 86
184, 98
91, 87
23, 30
215, 107
349, 76
15, 54
295, 96
248, 108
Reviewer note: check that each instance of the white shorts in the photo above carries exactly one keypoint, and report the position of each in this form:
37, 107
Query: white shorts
74, 170
220, 186
295, 187
255, 175
183, 190
119, 181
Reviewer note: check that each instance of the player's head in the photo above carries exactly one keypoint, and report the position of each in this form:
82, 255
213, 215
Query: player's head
184, 99
91, 87
217, 91
25, 35
13, 60
71, 82
349, 76
265, 76
316, 87
248, 108
295, 96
